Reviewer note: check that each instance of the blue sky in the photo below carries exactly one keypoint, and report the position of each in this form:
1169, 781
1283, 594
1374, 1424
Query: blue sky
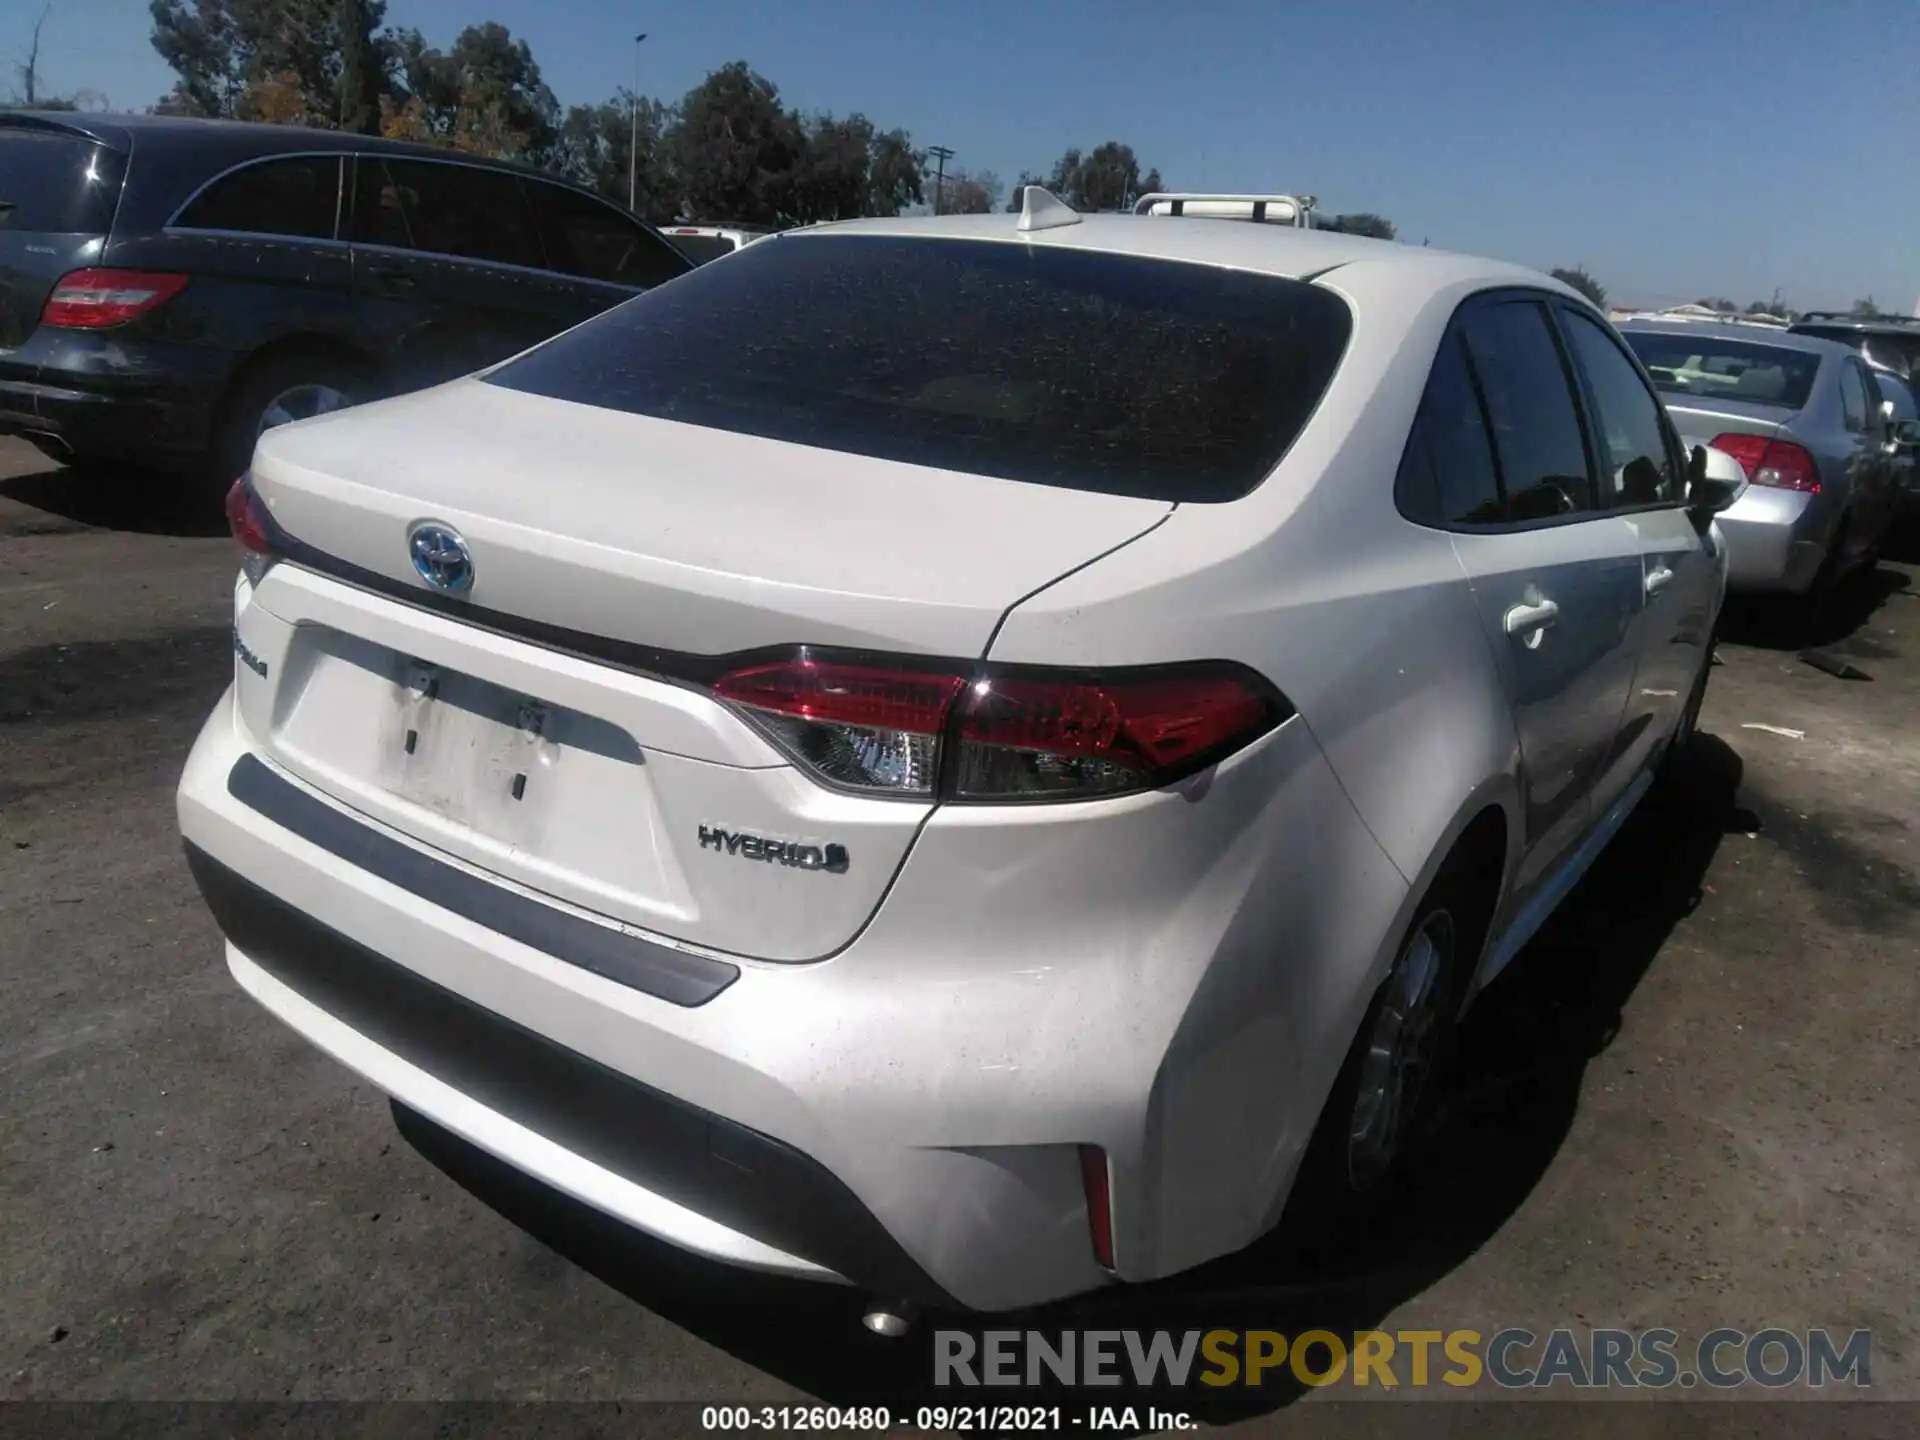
1673, 149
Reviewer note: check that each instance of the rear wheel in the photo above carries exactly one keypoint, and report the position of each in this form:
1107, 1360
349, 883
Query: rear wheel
1385, 1090
287, 388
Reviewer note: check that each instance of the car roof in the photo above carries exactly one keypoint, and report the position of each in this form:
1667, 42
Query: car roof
241, 139
1280, 250
1886, 325
1746, 334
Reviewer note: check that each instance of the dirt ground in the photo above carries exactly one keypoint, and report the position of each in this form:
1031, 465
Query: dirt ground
1692, 1103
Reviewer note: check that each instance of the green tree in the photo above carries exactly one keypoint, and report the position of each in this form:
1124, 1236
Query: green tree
1865, 309
896, 174
1580, 280
737, 150
283, 60
1106, 178
594, 146
1375, 227
1017, 196
830, 180
1720, 303
205, 45
363, 69
1770, 307
484, 96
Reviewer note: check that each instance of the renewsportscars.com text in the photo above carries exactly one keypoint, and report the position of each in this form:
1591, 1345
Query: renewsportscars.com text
1512, 1358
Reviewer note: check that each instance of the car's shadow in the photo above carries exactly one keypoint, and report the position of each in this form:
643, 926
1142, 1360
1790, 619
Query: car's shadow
1504, 1113
1784, 622
118, 497
1903, 541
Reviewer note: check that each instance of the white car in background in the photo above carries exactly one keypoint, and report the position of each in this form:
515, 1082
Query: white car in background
994, 788
701, 243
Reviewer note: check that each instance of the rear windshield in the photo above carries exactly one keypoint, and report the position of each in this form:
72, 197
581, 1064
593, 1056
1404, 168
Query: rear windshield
1110, 373
1709, 367
702, 248
56, 184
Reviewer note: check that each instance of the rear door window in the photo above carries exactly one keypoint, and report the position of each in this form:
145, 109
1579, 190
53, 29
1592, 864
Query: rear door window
597, 242
55, 184
1637, 466
1450, 453
1529, 402
1853, 397
446, 209
1121, 374
298, 195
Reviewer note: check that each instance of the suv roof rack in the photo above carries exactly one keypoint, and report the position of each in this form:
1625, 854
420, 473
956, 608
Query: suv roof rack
1852, 319
1295, 210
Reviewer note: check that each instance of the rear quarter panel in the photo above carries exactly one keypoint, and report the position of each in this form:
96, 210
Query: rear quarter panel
1362, 618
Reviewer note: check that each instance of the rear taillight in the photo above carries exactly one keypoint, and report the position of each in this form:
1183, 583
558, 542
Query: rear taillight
864, 727
94, 299
1093, 1175
998, 735
247, 519
252, 530
1780, 464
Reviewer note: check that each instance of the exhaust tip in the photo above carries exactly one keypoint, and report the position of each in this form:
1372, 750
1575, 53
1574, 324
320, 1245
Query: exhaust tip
890, 1320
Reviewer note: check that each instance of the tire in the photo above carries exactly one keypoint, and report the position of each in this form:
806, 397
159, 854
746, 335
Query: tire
1358, 1156
291, 386
1675, 760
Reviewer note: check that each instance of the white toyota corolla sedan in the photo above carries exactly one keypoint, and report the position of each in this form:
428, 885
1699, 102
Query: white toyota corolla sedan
970, 757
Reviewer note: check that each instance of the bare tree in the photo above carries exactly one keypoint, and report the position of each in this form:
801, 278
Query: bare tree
30, 72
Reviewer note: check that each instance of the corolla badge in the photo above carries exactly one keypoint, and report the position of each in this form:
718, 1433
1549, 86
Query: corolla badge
440, 556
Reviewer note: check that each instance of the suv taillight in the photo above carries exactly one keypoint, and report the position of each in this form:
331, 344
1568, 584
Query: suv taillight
95, 299
999, 735
1778, 463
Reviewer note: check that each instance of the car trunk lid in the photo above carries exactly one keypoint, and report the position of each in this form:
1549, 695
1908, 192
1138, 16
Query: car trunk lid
676, 536
554, 726
1700, 423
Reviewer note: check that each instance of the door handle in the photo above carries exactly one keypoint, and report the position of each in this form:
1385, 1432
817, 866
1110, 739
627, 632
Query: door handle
1658, 580
1522, 619
398, 279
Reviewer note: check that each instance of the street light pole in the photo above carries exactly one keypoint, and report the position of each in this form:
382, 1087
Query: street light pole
633, 140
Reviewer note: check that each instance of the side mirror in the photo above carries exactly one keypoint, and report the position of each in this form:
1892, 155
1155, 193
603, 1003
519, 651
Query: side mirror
1715, 480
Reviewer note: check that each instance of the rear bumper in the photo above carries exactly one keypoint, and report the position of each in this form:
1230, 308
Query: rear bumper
620, 1145
907, 1115
1776, 539
100, 396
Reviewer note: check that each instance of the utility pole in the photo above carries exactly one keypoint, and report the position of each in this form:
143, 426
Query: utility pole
941, 154
633, 138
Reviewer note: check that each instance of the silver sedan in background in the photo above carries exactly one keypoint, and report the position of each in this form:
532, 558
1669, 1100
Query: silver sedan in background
1804, 416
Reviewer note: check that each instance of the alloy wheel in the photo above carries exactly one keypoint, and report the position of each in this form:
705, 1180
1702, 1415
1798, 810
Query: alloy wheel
300, 402
1400, 1051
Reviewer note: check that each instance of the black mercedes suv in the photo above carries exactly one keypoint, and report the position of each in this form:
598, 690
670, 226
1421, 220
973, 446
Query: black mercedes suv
1890, 342
171, 287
